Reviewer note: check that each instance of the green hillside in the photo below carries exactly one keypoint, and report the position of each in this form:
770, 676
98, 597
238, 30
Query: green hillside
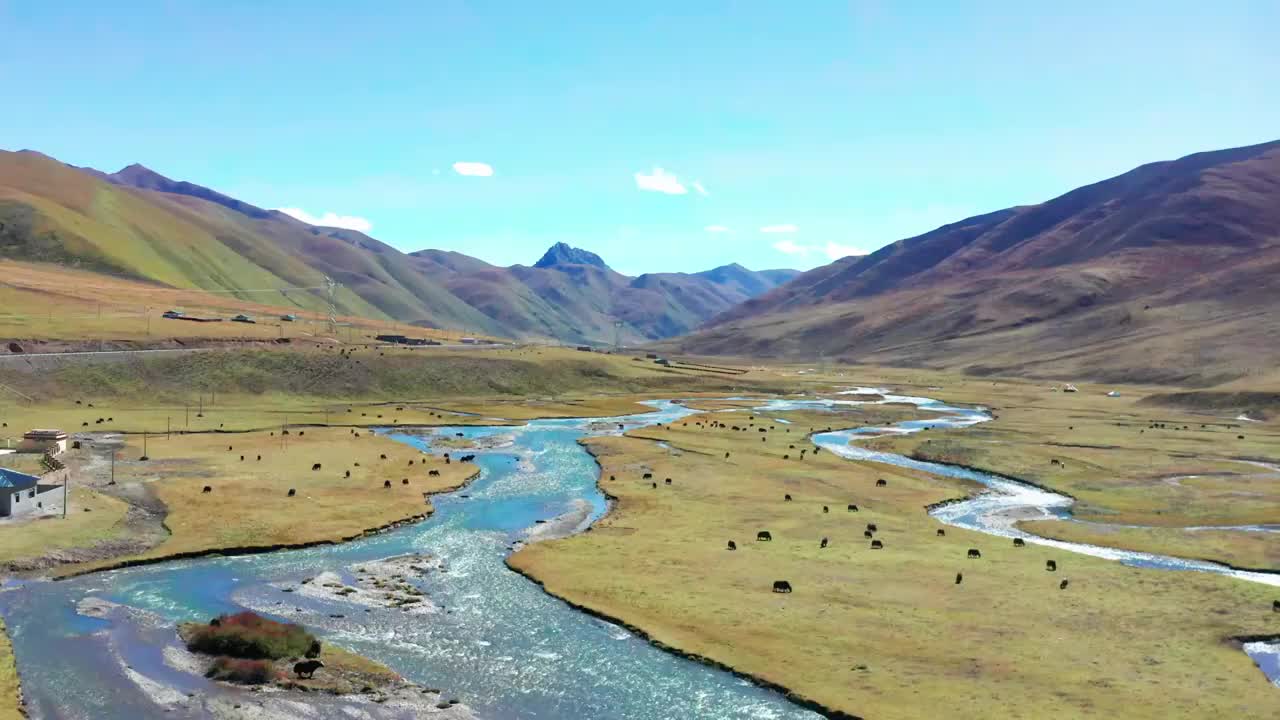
55, 213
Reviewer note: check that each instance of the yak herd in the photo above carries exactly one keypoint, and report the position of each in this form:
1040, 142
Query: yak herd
386, 484
762, 536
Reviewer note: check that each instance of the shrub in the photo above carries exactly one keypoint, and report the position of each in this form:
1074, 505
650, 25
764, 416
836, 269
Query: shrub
250, 636
245, 672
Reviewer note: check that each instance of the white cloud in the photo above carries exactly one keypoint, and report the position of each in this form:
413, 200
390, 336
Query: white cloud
835, 251
717, 229
660, 181
329, 219
473, 169
790, 247
697, 185
779, 229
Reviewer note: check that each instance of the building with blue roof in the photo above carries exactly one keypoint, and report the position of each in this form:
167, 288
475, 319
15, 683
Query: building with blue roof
19, 492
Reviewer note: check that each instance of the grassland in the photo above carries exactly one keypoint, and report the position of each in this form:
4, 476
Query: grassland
1125, 462
53, 305
10, 691
94, 517
249, 506
888, 633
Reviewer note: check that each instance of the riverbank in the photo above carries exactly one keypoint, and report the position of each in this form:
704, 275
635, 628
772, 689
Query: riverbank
1125, 462
258, 492
10, 687
658, 562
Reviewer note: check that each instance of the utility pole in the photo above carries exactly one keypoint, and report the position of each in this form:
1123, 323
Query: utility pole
167, 427
332, 287
113, 467
66, 494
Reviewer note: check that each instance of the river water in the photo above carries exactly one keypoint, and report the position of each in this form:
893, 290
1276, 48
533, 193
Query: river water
497, 641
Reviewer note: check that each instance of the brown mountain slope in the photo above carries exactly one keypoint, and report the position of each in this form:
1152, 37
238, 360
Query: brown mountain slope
571, 294
1168, 271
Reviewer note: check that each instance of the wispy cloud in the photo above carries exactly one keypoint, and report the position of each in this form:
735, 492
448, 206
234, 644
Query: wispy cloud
788, 228
717, 229
329, 219
473, 169
660, 181
835, 251
790, 247
697, 185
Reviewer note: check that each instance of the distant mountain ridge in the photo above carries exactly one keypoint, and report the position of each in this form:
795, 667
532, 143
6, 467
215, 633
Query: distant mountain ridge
141, 224
1170, 271
562, 254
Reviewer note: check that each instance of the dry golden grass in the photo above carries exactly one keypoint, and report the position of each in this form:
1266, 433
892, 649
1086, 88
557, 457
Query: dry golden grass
249, 506
1242, 549
10, 692
1119, 468
56, 303
92, 518
888, 634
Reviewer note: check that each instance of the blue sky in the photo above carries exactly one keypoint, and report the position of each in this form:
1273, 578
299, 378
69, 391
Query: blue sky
839, 126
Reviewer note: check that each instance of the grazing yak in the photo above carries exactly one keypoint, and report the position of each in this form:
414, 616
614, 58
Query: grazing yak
292, 492
386, 483
882, 482
941, 532
781, 586
433, 473
315, 467
959, 578
733, 545
346, 474
853, 508
868, 534
763, 536
207, 489
1062, 585
871, 527
824, 543
786, 498
655, 485
405, 481
826, 509
1019, 542
668, 481
1275, 606
974, 553
307, 668
1051, 565
877, 545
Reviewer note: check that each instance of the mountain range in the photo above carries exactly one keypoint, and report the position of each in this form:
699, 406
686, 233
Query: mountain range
1168, 272
140, 224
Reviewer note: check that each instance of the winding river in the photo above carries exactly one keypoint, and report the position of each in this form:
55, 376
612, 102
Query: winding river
496, 641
